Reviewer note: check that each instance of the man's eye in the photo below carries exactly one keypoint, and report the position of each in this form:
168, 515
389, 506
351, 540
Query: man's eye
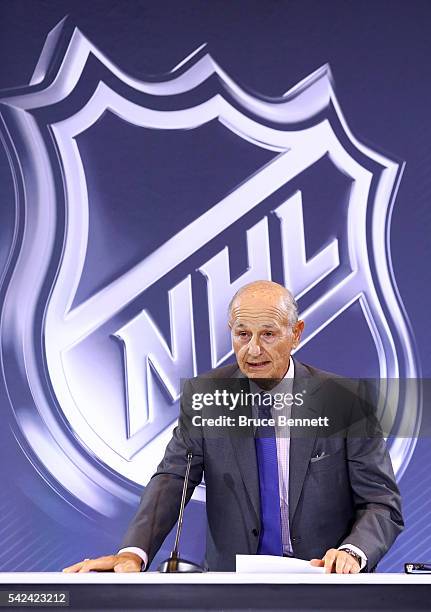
268, 334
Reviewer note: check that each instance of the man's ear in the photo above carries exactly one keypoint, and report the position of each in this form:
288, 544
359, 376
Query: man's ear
299, 328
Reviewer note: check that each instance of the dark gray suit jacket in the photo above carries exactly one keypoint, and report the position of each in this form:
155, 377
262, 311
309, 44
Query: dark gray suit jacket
348, 496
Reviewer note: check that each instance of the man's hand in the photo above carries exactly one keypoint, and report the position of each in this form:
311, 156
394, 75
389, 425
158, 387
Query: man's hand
124, 562
337, 562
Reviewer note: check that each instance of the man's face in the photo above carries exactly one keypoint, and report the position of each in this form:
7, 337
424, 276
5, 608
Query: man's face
261, 335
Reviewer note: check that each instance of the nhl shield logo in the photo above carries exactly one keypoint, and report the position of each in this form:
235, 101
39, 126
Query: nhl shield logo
141, 207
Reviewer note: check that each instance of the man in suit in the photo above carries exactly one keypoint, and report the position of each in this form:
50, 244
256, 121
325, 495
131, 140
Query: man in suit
332, 499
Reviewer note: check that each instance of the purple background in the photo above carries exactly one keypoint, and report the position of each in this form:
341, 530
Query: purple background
378, 53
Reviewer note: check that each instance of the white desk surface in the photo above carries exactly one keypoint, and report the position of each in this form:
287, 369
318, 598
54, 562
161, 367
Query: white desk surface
208, 578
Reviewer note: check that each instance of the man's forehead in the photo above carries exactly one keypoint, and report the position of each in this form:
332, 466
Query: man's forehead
268, 316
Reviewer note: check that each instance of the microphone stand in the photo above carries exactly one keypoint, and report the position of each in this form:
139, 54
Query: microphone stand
176, 565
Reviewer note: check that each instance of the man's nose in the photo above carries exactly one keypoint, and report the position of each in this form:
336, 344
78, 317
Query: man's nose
254, 348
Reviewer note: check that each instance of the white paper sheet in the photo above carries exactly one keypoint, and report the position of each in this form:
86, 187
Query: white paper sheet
268, 564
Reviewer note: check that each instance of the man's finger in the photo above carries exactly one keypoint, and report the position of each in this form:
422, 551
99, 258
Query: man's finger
348, 568
342, 561
119, 563
317, 562
353, 567
73, 568
329, 559
87, 566
126, 567
101, 564
356, 568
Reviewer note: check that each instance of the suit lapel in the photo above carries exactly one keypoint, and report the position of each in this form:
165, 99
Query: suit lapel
245, 452
301, 446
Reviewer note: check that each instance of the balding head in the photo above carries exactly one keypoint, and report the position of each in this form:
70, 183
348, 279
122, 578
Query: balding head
267, 290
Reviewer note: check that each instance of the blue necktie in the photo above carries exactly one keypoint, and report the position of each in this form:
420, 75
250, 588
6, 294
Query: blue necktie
270, 541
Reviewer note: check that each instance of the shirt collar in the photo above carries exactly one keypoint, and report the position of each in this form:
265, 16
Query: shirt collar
291, 369
288, 377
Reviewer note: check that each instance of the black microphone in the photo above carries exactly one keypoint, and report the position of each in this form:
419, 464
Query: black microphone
176, 565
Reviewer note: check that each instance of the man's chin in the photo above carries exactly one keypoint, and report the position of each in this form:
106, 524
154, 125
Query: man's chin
262, 372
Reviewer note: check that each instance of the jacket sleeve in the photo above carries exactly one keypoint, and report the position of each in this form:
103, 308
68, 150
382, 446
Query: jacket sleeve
377, 500
160, 501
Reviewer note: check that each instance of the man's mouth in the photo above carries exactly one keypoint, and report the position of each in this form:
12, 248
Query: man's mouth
258, 365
